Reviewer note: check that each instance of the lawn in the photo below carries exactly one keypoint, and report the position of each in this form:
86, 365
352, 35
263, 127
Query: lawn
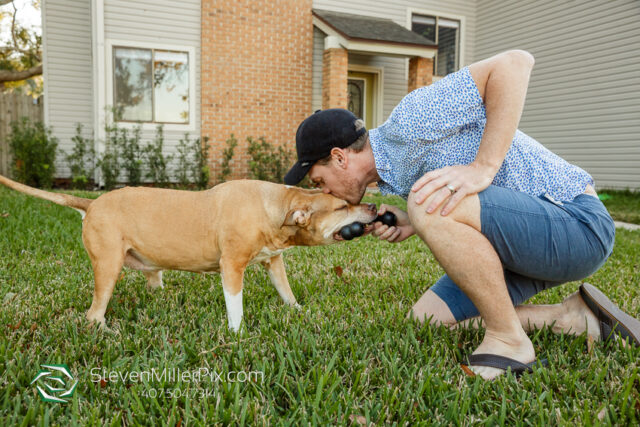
623, 205
348, 357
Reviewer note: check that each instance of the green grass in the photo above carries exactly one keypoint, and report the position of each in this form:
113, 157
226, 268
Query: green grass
348, 353
624, 205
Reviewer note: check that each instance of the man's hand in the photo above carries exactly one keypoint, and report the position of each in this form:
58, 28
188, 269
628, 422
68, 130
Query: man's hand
401, 231
453, 183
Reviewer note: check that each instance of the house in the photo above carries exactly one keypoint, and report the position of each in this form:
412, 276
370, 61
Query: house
258, 68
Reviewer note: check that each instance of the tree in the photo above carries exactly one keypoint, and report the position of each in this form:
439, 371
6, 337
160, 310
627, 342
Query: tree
21, 57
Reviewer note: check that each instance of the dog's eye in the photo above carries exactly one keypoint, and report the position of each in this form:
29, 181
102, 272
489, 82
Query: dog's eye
342, 207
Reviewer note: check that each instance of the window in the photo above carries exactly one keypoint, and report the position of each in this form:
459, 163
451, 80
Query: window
446, 33
151, 85
355, 97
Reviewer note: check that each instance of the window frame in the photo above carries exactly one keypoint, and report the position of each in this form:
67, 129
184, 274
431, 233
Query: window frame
111, 44
442, 15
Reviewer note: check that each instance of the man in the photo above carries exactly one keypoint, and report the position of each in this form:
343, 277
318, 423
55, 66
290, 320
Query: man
504, 216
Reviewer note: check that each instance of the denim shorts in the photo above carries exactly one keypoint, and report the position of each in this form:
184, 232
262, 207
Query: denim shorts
541, 243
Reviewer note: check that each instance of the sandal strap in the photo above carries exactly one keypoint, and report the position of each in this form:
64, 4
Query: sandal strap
496, 361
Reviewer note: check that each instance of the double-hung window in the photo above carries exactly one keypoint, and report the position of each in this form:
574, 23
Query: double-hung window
151, 85
446, 34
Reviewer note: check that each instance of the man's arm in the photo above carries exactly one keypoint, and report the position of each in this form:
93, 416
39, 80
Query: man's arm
502, 82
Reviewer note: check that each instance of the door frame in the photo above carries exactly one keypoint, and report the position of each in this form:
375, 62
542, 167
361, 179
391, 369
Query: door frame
378, 93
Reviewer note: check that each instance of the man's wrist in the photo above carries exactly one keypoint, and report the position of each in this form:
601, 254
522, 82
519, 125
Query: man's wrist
488, 168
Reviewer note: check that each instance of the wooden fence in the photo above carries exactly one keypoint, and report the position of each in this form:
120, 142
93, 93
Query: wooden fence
13, 106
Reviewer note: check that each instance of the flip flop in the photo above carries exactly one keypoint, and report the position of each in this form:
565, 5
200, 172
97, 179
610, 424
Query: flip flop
500, 362
613, 321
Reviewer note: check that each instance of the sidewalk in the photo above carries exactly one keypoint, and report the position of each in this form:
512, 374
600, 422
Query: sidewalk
626, 225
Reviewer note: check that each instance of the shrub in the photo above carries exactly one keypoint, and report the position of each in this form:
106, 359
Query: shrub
81, 160
184, 161
201, 172
192, 166
108, 161
33, 149
268, 163
131, 154
227, 155
156, 160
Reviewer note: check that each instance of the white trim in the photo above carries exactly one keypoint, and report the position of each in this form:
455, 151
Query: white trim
97, 56
390, 49
447, 15
332, 42
370, 47
45, 62
191, 51
378, 92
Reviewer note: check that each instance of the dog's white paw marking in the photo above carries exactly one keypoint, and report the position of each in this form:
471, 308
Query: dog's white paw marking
234, 309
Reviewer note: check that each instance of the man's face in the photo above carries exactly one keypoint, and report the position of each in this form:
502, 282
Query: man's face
340, 178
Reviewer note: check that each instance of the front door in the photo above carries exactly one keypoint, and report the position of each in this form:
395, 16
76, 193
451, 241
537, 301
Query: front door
361, 96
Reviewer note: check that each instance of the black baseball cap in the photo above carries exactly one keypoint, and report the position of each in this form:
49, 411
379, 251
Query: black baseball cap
317, 135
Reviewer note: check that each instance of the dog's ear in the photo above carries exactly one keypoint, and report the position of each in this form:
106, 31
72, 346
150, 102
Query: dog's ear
298, 217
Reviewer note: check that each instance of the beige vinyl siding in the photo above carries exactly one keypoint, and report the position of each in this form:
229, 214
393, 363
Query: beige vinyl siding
316, 70
583, 101
158, 22
67, 67
394, 69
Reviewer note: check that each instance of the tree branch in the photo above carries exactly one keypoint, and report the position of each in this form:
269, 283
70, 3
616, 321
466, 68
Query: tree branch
14, 76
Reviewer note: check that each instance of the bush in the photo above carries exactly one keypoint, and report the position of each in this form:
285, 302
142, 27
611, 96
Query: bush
227, 155
156, 160
201, 172
268, 163
33, 149
108, 161
193, 167
184, 161
81, 160
131, 154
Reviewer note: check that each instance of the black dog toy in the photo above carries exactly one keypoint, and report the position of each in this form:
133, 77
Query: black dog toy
356, 229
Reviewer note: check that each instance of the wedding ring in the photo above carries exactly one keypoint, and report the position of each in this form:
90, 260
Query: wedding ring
451, 188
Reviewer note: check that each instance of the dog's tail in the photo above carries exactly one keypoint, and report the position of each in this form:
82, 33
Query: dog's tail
77, 203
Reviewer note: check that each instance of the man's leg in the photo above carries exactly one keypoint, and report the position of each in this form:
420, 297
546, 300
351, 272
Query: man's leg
471, 261
572, 316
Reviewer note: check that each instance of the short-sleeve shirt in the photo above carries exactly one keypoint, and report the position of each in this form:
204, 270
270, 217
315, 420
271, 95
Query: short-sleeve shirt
442, 125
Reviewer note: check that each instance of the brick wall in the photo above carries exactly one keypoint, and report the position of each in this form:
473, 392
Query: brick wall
256, 73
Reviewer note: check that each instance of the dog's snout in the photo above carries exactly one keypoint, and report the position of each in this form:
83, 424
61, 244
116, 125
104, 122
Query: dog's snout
371, 207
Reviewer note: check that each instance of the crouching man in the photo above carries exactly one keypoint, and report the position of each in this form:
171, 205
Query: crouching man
504, 216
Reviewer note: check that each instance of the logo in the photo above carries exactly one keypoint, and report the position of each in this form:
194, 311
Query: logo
53, 383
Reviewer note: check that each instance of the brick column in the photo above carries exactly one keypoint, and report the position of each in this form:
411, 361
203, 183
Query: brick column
334, 78
420, 72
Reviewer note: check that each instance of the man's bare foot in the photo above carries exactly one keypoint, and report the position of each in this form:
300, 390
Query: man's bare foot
578, 318
517, 347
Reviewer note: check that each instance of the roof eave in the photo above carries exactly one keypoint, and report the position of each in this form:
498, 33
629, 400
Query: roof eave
368, 46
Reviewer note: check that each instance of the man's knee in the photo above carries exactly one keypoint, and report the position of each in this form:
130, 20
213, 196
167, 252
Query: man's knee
418, 215
467, 212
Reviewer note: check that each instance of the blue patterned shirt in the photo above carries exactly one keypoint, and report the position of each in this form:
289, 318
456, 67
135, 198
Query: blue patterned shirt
442, 125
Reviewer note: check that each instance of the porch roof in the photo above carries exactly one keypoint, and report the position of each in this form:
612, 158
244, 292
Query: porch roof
364, 33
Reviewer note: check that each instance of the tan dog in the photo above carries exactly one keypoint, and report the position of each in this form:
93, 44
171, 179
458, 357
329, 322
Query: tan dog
224, 229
